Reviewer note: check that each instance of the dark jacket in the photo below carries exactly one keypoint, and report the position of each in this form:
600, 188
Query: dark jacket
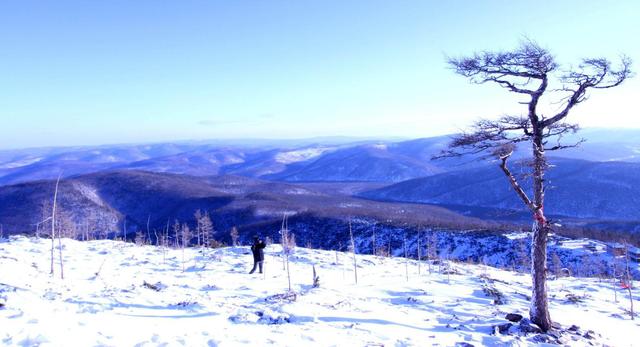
258, 250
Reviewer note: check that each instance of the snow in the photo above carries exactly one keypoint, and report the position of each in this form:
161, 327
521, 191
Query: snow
89, 193
300, 191
20, 163
380, 146
215, 302
300, 155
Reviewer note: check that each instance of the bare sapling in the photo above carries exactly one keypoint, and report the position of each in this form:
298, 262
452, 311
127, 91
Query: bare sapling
234, 236
124, 229
140, 238
85, 231
60, 254
287, 242
448, 267
428, 254
406, 256
198, 231
186, 238
419, 252
53, 223
316, 278
53, 231
176, 234
614, 280
353, 252
264, 269
433, 250
148, 239
155, 235
373, 241
165, 242
206, 225
628, 283
40, 226
283, 241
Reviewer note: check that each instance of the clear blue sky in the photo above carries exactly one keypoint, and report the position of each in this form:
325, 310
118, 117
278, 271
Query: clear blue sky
93, 72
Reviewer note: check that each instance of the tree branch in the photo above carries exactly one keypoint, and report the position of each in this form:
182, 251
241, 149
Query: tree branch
514, 183
592, 73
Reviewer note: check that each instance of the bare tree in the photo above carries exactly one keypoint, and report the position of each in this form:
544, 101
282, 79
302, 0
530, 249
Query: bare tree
373, 241
206, 228
628, 280
148, 230
316, 278
124, 229
45, 218
176, 233
288, 244
284, 232
234, 236
53, 226
185, 240
198, 231
353, 252
165, 242
432, 249
528, 71
419, 251
406, 255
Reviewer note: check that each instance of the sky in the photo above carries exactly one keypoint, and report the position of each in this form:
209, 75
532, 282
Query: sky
98, 72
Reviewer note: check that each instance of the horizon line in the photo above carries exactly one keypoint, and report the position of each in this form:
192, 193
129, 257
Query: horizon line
348, 138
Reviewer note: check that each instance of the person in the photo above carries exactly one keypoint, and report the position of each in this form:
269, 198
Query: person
257, 248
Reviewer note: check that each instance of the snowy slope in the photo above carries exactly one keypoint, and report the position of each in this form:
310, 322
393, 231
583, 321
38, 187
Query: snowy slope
215, 302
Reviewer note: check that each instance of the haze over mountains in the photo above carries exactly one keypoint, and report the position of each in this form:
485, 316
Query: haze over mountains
155, 182
331, 159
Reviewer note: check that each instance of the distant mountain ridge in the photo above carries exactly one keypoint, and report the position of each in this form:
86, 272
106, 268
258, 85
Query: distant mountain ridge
316, 160
575, 188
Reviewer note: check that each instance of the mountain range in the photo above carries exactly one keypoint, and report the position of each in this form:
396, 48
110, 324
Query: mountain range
108, 202
575, 188
257, 181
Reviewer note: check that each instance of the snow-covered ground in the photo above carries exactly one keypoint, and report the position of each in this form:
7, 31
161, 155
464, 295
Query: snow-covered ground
103, 300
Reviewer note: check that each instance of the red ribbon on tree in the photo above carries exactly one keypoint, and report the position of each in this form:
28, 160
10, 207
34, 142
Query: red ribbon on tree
539, 216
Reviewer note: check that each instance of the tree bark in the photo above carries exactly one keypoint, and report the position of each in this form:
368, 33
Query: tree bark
539, 310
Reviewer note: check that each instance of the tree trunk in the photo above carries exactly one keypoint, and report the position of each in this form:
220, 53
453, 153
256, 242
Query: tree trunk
148, 232
419, 254
53, 221
539, 310
353, 251
406, 256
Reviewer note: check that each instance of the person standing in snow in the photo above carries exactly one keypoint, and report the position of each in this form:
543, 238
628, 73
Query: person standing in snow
257, 248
